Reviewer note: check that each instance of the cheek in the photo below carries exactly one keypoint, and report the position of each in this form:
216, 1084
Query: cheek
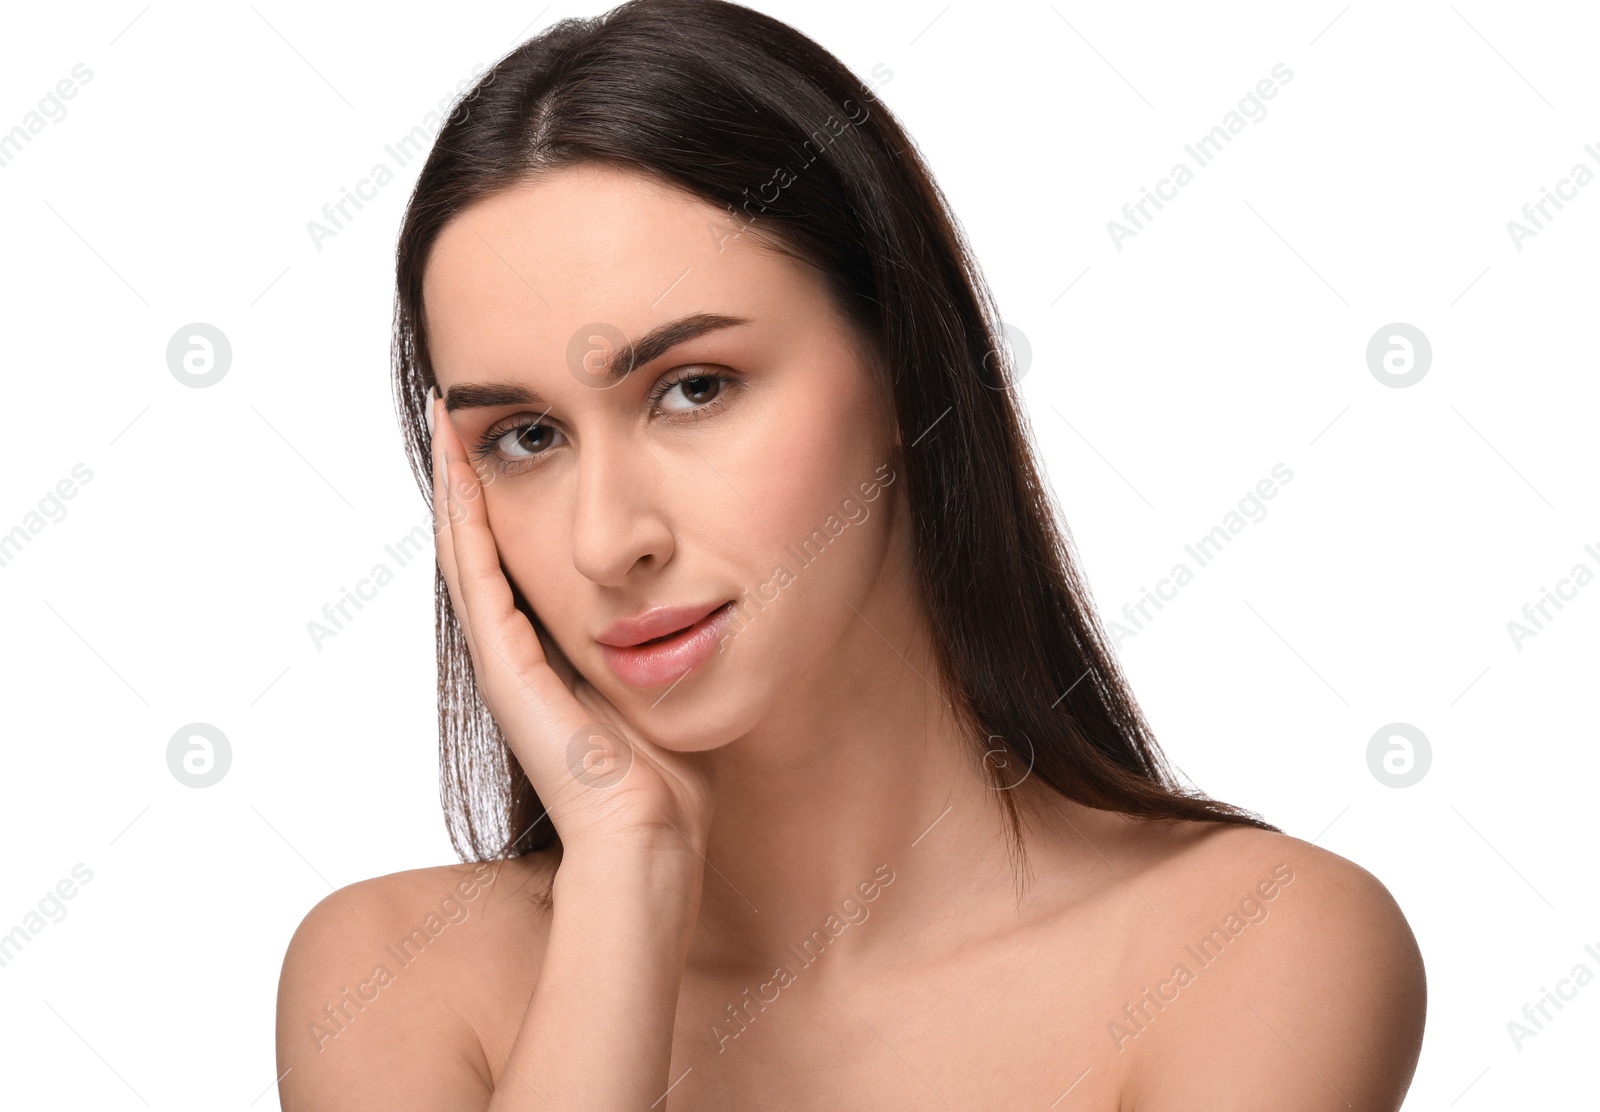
808, 542
813, 442
535, 551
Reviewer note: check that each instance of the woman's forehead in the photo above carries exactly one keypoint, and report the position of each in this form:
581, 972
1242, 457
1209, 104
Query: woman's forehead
594, 250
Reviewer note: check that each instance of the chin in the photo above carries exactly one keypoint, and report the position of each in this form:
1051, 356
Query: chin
694, 721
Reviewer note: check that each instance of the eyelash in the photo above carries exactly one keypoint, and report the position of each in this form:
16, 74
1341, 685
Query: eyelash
486, 446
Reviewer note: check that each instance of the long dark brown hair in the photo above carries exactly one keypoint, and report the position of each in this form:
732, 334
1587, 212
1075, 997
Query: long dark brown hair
734, 106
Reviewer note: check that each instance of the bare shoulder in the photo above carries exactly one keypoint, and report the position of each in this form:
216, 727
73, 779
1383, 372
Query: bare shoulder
1283, 975
389, 985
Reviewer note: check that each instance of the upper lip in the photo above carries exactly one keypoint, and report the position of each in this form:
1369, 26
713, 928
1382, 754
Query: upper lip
655, 622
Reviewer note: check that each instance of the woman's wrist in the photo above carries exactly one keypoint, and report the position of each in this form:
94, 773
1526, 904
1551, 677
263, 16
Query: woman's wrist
663, 874
620, 929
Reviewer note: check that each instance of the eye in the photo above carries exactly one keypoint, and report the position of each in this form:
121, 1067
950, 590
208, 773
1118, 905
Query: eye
701, 391
517, 444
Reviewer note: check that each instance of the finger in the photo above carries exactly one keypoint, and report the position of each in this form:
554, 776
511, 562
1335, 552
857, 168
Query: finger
553, 654
509, 659
448, 512
443, 435
443, 548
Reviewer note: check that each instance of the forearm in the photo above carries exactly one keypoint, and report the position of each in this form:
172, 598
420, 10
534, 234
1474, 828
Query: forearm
597, 1035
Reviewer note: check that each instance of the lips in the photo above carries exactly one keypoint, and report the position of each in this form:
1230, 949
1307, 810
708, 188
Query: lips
663, 645
654, 624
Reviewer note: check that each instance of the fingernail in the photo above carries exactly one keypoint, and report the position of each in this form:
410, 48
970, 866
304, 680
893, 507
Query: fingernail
429, 415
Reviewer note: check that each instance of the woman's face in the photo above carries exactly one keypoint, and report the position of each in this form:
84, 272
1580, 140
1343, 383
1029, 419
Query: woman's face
754, 460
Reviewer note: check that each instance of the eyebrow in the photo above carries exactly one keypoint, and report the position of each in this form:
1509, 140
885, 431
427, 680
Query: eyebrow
627, 359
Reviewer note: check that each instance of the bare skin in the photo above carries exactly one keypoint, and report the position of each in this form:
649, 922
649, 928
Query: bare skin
805, 783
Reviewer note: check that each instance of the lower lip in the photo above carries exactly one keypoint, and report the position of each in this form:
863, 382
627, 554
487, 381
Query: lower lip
672, 658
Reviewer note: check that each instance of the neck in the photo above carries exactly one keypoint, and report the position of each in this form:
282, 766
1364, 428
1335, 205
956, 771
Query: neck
859, 797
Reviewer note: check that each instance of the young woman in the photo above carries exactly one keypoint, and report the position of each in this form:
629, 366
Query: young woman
789, 763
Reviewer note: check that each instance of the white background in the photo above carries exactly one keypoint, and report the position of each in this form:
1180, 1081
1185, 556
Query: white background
1227, 336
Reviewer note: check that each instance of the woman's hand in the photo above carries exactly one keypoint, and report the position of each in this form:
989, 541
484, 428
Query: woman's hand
606, 789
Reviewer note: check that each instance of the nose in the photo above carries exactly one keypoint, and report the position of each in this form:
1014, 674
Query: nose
617, 525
